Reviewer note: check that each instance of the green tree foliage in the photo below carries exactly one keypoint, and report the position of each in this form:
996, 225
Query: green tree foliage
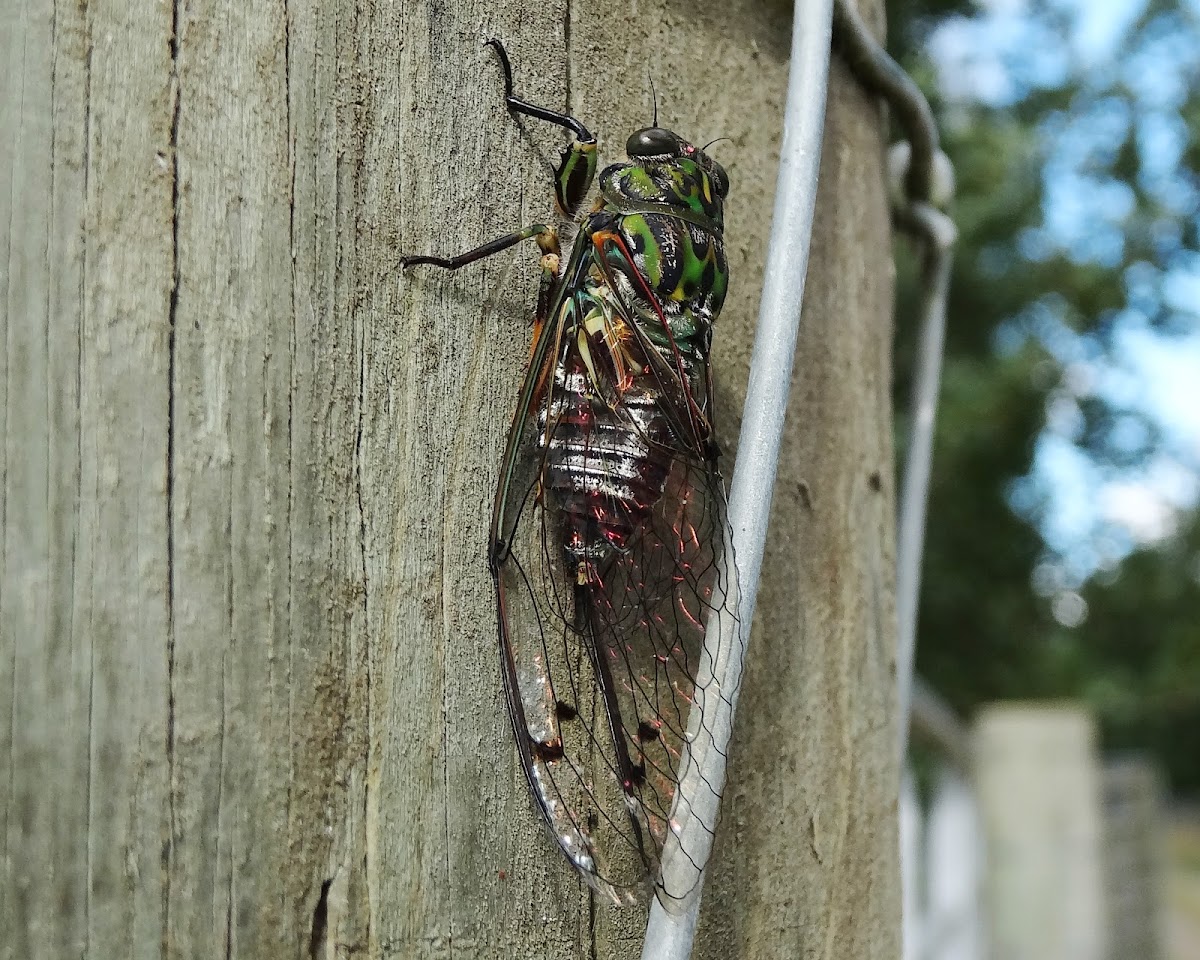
1143, 631
1031, 306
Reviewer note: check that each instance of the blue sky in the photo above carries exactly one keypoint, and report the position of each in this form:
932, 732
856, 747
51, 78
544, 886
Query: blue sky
1095, 515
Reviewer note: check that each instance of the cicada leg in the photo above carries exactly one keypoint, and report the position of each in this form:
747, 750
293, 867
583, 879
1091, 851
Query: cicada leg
546, 237
577, 164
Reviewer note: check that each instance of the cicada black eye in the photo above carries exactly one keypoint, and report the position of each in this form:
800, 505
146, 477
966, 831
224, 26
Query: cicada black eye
653, 142
720, 179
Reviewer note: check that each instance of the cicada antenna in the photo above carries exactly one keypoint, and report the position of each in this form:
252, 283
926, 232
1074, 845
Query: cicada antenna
654, 98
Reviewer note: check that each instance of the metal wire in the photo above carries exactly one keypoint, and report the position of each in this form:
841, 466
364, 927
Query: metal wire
914, 491
928, 179
669, 935
883, 76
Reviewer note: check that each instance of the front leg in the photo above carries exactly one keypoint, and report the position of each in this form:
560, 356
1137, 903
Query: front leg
577, 164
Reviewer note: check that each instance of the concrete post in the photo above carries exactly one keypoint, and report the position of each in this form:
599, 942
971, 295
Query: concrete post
1133, 862
954, 869
1039, 793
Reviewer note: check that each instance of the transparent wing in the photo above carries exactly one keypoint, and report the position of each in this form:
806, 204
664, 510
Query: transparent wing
600, 671
648, 614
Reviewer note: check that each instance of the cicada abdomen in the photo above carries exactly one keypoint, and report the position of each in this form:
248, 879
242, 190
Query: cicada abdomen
609, 524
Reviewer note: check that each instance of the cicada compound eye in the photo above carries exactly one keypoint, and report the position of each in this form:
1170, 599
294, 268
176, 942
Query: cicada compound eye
652, 142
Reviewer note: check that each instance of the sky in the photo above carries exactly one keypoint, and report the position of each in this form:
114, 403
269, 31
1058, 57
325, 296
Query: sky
1093, 515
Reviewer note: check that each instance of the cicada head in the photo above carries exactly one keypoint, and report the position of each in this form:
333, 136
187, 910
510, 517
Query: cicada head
666, 169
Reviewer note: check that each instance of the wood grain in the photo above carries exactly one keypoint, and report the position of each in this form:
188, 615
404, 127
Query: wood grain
249, 694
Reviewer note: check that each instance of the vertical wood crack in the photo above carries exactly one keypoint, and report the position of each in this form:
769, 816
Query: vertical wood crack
567, 48
79, 355
291, 399
229, 916
172, 315
320, 922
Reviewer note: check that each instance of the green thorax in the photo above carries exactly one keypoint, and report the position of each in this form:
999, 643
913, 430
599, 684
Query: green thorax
678, 185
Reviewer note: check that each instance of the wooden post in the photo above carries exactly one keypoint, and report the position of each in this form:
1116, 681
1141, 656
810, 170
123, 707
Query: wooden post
1038, 779
249, 694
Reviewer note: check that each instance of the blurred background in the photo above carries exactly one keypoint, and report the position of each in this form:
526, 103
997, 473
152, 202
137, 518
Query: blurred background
1063, 548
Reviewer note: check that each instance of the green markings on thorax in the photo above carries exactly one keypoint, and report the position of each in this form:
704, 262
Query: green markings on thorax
681, 184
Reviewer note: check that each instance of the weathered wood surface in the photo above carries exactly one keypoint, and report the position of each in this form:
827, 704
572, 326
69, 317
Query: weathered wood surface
249, 703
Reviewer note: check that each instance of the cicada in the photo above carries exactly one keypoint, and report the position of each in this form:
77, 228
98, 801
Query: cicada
609, 525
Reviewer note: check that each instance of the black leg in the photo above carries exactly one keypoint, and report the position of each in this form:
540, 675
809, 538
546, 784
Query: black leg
577, 165
517, 105
546, 238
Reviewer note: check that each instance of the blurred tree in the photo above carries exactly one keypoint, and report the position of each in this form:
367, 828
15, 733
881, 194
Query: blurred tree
1038, 298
